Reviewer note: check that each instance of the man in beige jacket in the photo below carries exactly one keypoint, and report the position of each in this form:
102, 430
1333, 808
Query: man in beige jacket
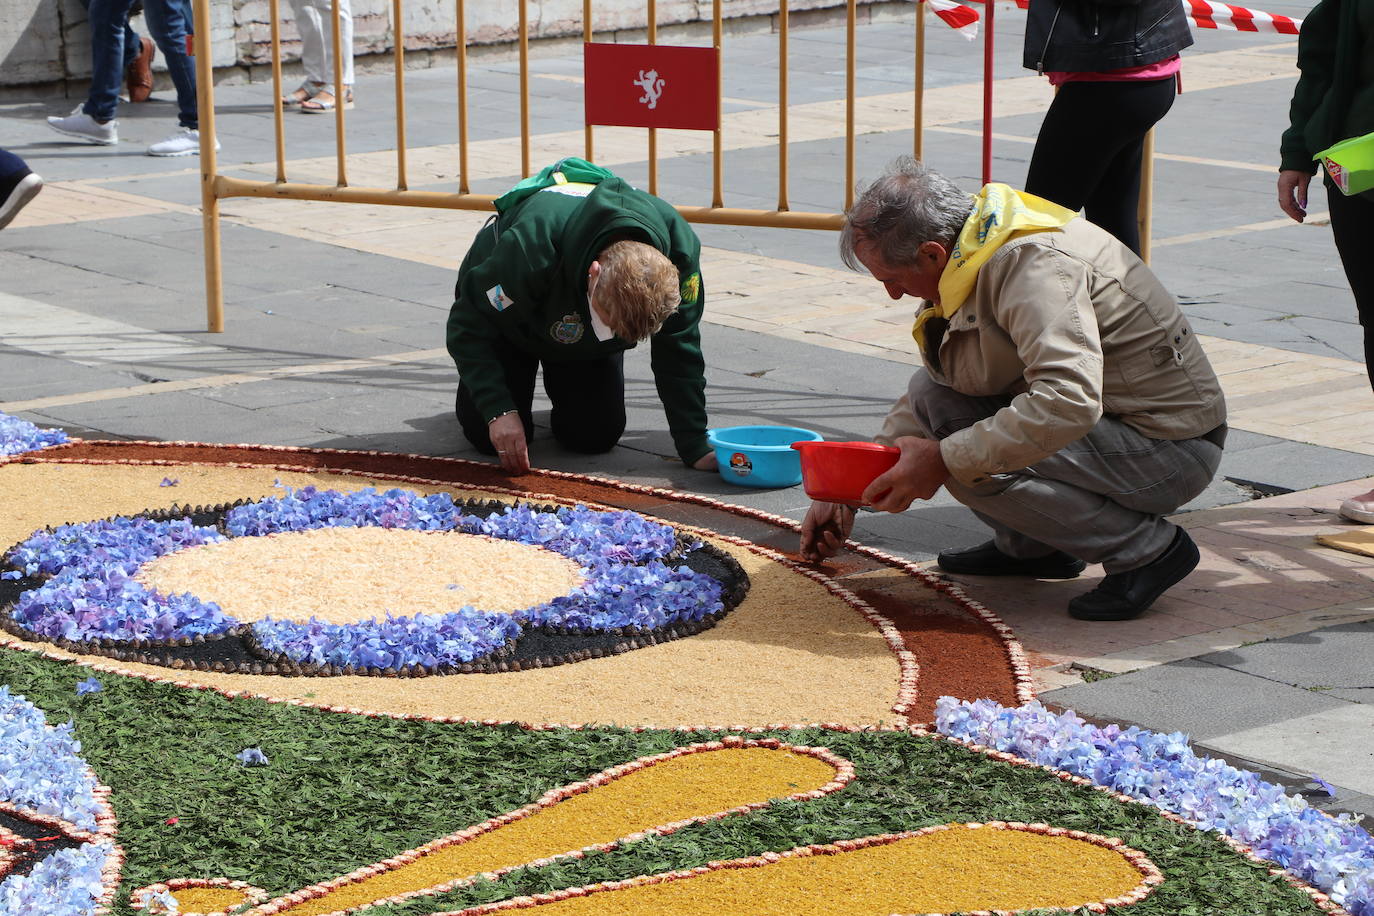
1064, 398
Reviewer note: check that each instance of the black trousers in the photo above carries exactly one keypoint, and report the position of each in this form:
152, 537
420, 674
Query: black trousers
1352, 224
588, 400
1088, 152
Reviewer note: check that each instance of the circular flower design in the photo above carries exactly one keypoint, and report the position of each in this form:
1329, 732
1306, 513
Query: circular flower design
637, 579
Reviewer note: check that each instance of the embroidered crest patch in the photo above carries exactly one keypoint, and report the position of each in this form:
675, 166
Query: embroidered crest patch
568, 329
498, 298
691, 289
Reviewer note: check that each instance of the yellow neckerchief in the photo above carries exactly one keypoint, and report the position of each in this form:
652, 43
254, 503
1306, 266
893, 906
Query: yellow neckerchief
1000, 214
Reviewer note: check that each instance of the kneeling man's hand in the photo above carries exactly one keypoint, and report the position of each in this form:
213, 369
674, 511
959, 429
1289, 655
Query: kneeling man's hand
507, 433
825, 529
918, 474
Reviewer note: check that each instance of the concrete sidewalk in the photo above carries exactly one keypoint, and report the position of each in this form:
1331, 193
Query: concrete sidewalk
336, 313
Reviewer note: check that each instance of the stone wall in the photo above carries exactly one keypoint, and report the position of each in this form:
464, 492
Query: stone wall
47, 42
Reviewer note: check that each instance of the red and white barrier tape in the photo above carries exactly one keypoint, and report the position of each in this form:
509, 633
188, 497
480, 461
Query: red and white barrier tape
1208, 15
1205, 14
963, 19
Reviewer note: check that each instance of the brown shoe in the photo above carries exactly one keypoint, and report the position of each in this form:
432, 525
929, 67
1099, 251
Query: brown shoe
139, 77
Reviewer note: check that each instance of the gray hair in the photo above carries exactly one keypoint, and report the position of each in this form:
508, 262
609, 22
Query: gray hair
910, 204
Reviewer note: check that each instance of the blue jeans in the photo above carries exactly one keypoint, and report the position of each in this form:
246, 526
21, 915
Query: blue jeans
169, 21
132, 46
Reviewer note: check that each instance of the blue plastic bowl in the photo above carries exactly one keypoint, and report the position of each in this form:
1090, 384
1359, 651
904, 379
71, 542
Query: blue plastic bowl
760, 456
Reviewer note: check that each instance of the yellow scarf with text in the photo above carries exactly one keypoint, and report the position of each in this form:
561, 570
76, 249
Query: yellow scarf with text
1000, 214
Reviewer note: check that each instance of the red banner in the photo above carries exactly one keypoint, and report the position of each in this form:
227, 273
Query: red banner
651, 86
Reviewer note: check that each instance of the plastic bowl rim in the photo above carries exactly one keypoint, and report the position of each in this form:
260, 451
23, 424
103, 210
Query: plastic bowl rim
715, 440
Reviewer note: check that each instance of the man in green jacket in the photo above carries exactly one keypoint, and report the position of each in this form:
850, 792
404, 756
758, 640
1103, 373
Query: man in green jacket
576, 268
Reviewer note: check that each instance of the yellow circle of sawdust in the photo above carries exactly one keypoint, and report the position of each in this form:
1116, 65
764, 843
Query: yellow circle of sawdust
345, 575
791, 652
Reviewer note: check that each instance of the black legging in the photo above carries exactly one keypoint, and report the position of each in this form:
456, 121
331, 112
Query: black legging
1352, 224
1088, 152
588, 401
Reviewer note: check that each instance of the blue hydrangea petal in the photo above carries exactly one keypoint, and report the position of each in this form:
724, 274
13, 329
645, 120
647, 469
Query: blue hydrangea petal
18, 436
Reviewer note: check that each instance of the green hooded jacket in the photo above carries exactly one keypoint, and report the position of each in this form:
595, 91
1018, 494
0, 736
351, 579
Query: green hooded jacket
525, 281
1334, 98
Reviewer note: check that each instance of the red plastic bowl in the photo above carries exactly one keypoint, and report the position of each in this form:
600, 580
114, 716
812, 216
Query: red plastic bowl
839, 472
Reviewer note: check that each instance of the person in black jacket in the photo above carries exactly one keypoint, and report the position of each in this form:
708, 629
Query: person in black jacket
1334, 101
1115, 64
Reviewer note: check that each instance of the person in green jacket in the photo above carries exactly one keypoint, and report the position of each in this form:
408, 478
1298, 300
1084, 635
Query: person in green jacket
576, 268
1334, 101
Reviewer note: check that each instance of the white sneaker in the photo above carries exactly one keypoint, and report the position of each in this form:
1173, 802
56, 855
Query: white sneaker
1359, 508
83, 126
185, 142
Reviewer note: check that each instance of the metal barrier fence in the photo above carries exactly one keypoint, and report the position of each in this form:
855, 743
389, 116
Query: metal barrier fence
216, 187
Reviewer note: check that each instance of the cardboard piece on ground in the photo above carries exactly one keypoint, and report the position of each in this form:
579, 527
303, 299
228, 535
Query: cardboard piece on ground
1358, 541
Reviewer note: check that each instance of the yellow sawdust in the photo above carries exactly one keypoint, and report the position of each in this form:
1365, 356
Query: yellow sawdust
692, 785
344, 575
35, 495
950, 871
1358, 541
208, 899
791, 652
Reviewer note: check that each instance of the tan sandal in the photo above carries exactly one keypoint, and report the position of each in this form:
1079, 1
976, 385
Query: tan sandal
300, 95
320, 105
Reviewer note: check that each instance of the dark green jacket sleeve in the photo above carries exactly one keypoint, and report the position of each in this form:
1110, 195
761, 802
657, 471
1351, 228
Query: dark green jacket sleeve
472, 330
1312, 97
680, 370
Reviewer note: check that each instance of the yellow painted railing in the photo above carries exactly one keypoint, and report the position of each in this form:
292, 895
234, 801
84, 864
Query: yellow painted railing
216, 187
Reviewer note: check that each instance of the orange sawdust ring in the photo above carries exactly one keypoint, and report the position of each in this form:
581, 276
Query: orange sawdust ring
989, 659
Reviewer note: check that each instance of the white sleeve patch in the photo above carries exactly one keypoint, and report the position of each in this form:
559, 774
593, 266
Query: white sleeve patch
498, 298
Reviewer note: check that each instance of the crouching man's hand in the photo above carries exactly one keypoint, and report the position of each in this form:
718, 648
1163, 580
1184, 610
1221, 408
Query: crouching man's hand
918, 474
825, 529
507, 434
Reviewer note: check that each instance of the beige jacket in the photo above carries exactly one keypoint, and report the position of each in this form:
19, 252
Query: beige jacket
1071, 325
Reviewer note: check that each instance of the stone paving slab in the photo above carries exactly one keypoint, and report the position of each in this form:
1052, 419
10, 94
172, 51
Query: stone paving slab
1331, 743
1329, 659
1204, 701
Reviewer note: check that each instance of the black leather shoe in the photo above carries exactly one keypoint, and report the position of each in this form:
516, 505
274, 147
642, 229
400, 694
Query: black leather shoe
987, 560
1121, 596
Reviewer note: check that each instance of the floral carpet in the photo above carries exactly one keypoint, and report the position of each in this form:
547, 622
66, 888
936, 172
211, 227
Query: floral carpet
252, 680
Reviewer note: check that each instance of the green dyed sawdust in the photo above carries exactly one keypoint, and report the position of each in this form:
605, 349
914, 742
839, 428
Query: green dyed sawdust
344, 791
